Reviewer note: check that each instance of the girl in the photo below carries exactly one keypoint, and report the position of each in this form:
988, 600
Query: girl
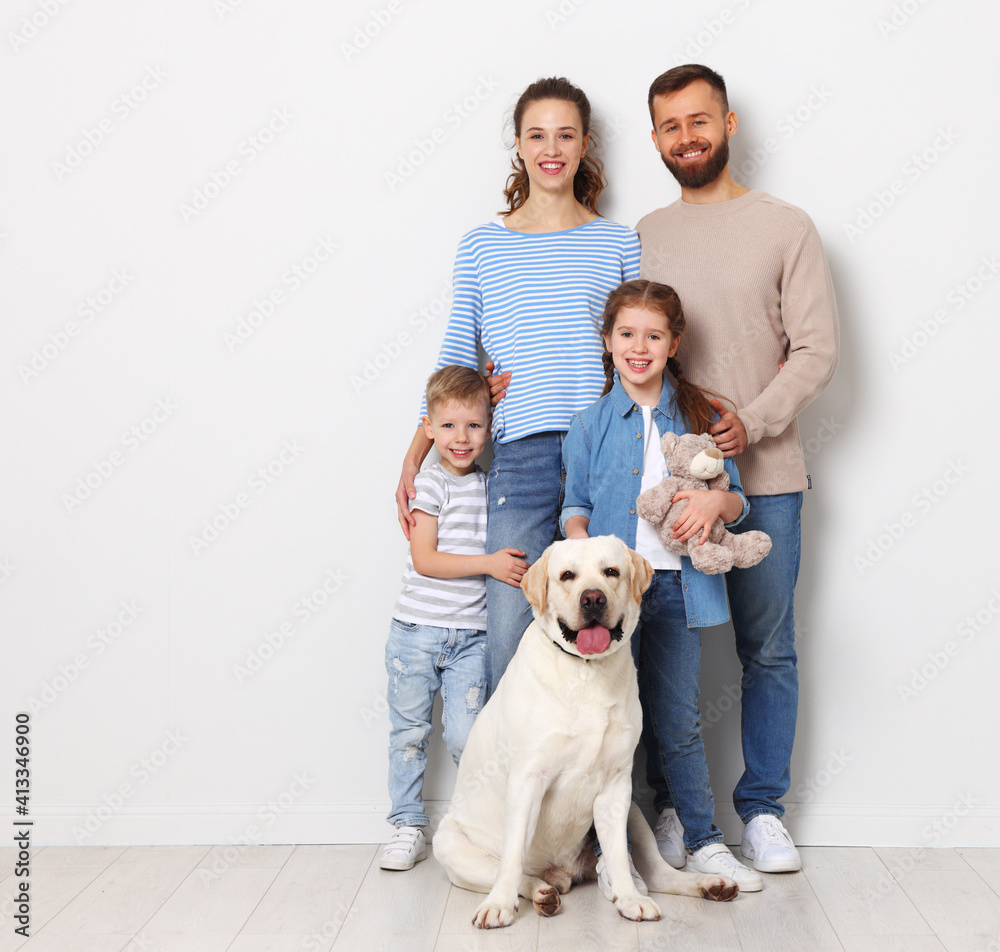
529, 287
612, 453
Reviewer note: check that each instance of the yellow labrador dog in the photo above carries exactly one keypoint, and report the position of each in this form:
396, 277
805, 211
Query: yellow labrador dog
551, 752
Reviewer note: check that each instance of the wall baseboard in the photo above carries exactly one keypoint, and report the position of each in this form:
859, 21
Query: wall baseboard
966, 823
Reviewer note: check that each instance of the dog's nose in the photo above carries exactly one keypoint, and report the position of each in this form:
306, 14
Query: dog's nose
593, 599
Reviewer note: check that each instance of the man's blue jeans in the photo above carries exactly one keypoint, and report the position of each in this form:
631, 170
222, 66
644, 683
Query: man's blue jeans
420, 660
525, 490
762, 603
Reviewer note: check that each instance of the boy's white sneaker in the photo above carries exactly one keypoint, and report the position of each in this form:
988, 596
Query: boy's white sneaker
605, 884
716, 858
406, 847
670, 838
768, 846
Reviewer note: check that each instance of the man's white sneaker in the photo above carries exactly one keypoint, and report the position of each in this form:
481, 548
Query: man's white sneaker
716, 858
670, 838
405, 847
605, 883
768, 846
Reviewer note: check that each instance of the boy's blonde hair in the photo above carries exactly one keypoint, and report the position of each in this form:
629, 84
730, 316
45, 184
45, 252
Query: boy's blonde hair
461, 384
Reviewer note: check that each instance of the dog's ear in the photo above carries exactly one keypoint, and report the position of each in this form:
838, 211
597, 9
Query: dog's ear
642, 574
535, 583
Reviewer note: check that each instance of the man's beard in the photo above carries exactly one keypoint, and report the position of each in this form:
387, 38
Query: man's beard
700, 175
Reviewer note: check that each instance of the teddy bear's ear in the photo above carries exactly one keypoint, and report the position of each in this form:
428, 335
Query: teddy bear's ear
668, 442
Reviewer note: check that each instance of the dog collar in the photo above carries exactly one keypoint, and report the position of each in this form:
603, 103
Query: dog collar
570, 653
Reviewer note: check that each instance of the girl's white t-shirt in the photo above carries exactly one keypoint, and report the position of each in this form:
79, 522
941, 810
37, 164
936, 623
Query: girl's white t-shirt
654, 471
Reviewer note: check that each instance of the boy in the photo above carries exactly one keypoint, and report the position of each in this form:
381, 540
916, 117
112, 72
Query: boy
438, 632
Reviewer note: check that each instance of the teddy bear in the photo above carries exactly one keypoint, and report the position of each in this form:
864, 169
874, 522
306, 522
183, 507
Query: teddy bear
694, 463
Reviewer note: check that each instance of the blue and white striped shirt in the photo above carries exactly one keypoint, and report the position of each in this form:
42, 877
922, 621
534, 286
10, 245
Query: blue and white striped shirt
535, 301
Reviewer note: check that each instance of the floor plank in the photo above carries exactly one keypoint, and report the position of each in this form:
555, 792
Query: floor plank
587, 922
51, 889
986, 862
81, 943
99, 857
971, 943
279, 943
312, 894
221, 858
892, 943
785, 916
122, 898
954, 902
461, 904
690, 925
397, 910
214, 910
859, 895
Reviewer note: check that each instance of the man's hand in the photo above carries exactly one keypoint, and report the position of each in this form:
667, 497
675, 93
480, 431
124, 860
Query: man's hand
498, 384
729, 433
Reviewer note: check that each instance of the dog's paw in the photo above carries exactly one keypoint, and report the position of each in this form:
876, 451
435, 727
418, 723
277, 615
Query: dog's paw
546, 900
718, 888
491, 914
638, 909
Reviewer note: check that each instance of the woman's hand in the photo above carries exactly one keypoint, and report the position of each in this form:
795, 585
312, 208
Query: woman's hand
420, 446
498, 384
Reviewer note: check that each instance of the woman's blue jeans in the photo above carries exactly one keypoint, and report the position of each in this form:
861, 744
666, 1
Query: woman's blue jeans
525, 491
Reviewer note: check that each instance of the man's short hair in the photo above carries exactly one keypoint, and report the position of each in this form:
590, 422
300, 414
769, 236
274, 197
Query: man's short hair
680, 77
461, 384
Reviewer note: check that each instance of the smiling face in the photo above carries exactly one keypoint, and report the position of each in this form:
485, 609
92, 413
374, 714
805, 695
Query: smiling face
551, 144
691, 132
459, 432
640, 343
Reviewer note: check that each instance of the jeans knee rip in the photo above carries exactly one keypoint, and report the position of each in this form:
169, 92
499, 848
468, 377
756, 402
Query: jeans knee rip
412, 751
473, 697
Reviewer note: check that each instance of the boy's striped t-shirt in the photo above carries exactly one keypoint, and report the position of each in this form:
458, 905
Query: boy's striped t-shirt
459, 502
536, 304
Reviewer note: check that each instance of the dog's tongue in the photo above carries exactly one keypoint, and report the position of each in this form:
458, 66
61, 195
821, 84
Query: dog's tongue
593, 640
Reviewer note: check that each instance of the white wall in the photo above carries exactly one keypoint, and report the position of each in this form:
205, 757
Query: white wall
153, 734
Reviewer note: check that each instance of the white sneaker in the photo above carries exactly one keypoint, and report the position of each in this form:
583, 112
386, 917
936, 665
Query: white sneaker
405, 847
670, 838
716, 858
768, 846
605, 884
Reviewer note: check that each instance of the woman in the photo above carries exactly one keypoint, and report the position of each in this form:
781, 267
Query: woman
530, 287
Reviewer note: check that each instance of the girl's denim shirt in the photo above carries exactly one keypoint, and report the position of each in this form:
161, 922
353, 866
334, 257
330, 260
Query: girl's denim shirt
603, 457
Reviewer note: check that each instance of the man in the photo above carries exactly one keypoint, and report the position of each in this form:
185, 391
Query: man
762, 331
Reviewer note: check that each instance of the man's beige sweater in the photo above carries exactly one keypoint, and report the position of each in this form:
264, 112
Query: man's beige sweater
755, 286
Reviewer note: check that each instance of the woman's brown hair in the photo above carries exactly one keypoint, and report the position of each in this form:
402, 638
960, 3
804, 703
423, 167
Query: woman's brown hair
692, 401
589, 181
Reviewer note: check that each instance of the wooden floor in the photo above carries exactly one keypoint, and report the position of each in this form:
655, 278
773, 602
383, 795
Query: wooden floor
318, 898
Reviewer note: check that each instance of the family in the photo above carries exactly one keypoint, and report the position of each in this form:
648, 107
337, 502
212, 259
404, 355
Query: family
716, 315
